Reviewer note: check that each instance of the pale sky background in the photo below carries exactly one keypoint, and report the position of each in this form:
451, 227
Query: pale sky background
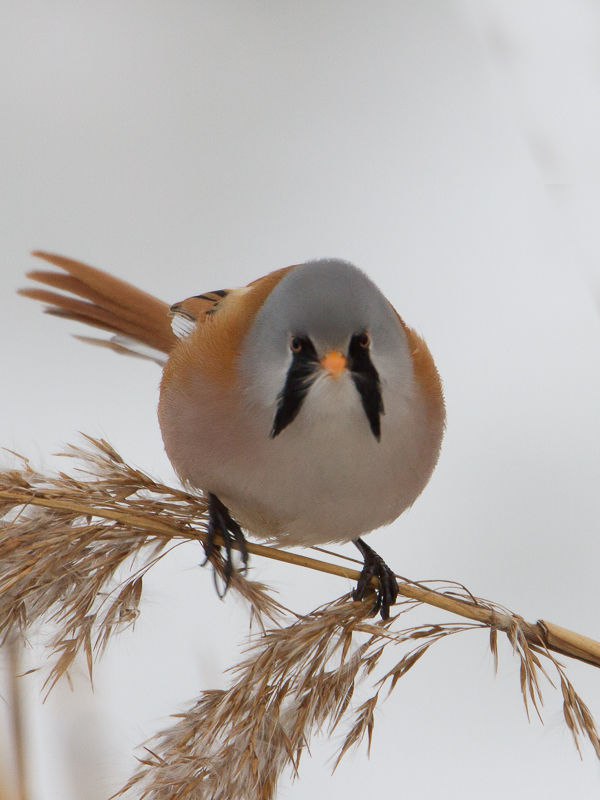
452, 150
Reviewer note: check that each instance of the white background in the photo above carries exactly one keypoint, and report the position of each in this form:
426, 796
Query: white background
451, 149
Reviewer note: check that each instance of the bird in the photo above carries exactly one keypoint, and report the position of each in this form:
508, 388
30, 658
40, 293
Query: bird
302, 405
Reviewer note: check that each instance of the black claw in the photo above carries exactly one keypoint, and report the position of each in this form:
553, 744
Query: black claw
239, 537
209, 545
222, 525
375, 567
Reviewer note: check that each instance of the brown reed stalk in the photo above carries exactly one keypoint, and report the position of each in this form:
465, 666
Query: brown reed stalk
17, 717
74, 549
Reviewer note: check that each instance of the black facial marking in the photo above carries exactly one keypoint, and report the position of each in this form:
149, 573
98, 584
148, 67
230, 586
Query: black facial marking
366, 380
300, 377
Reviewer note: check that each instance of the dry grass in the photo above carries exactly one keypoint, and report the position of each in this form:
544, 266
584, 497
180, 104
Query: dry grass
300, 680
74, 551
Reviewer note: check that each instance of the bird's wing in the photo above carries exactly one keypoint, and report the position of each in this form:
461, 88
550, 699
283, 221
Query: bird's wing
140, 322
189, 313
222, 319
186, 314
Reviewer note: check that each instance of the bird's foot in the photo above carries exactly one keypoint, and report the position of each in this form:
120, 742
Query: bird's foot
223, 529
375, 567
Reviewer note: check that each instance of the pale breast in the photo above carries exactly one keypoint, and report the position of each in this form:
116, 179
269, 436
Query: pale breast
324, 478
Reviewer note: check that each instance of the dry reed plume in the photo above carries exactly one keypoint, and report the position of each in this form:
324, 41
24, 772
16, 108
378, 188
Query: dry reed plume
74, 550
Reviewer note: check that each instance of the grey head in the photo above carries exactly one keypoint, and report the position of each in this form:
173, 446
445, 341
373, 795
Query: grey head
319, 308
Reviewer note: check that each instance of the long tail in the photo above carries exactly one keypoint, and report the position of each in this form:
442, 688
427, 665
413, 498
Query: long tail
140, 322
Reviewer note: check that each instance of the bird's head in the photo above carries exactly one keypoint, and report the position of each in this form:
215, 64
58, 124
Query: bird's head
325, 329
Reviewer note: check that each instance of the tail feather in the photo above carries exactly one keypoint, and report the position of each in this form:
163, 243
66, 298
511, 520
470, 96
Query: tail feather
107, 303
74, 286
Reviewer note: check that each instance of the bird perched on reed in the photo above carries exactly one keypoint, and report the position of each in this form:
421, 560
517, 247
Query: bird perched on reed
302, 405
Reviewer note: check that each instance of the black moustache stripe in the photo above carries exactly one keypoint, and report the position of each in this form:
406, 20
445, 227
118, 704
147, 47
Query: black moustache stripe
303, 372
301, 376
366, 380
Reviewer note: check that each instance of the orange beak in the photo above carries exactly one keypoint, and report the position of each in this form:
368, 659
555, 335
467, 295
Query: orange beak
335, 363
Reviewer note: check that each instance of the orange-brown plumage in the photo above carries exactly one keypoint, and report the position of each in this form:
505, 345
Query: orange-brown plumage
427, 377
215, 345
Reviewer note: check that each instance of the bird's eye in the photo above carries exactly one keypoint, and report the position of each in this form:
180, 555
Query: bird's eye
364, 340
296, 344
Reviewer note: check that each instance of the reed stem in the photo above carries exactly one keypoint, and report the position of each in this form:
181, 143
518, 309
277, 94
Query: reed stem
542, 633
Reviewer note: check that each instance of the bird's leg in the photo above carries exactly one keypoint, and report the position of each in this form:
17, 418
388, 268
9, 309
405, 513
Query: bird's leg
375, 567
221, 524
